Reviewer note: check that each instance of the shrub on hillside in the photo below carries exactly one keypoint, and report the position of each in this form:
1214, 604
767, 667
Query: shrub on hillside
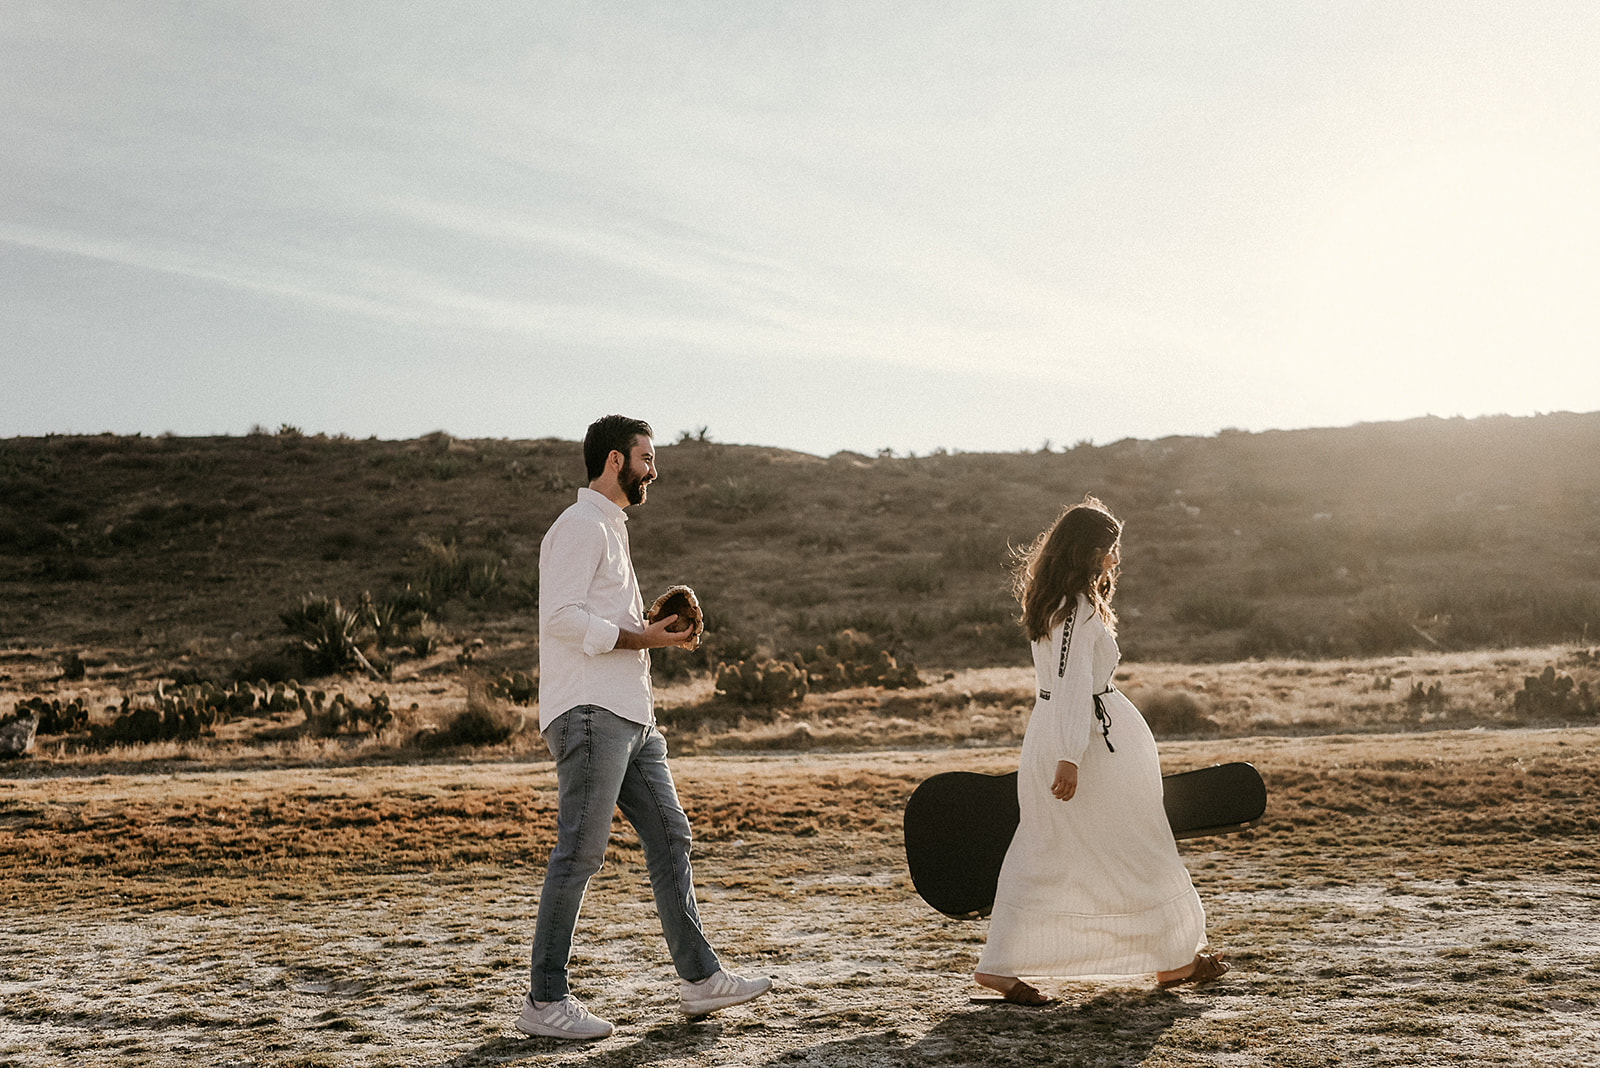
478, 725
1173, 713
73, 667
450, 571
402, 619
1386, 627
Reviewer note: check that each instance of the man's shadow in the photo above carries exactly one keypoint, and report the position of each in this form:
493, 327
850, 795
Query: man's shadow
668, 1042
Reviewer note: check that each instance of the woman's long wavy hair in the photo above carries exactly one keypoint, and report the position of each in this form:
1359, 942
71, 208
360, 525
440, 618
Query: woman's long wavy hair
1064, 561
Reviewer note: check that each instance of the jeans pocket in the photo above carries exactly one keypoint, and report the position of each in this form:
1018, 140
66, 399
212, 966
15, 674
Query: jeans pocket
569, 729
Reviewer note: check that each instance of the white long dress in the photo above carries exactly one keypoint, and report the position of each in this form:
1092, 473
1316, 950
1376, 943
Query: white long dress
1094, 885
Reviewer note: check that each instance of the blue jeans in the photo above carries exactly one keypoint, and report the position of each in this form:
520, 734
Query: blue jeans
604, 762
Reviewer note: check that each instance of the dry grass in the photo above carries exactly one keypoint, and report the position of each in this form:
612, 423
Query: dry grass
1419, 899
971, 707
990, 706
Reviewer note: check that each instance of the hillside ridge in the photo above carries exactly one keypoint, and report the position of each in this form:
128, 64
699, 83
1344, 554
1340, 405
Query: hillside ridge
1429, 533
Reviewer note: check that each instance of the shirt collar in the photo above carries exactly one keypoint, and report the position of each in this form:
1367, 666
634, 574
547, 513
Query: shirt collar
608, 508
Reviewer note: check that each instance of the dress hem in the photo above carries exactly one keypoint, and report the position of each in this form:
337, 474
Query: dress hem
1161, 938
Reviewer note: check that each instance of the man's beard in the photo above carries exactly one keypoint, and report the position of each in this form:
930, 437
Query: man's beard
633, 484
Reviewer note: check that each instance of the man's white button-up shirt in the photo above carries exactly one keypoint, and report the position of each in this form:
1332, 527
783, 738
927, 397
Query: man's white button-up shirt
586, 589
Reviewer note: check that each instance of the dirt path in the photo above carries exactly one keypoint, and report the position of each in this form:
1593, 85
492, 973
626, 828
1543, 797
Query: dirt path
1387, 914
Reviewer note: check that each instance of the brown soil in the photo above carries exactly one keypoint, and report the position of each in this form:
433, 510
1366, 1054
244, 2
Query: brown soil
1417, 899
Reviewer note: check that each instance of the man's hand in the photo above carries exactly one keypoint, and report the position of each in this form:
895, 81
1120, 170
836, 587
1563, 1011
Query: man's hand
654, 636
1066, 783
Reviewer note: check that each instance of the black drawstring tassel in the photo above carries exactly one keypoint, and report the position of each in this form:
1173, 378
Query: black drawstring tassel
1105, 720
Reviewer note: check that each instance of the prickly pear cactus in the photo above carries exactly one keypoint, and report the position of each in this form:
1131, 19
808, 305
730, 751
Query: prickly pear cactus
762, 682
849, 658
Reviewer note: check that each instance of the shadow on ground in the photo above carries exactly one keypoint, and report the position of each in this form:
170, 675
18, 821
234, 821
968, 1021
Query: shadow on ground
1117, 1028
673, 1042
1112, 1029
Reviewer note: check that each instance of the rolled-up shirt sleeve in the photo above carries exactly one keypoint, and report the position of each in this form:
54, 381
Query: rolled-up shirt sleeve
601, 637
566, 569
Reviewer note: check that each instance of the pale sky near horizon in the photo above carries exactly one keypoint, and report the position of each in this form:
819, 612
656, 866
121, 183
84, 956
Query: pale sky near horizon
821, 226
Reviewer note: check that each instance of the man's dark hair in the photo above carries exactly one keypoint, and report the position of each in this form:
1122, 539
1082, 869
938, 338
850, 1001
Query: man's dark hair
608, 434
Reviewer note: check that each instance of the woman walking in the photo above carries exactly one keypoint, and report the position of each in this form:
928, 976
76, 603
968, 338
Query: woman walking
1092, 883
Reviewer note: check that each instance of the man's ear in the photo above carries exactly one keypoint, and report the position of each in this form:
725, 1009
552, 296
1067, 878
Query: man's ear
616, 461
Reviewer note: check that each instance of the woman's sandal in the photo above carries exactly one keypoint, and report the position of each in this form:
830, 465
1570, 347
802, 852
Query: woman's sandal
1207, 966
1023, 994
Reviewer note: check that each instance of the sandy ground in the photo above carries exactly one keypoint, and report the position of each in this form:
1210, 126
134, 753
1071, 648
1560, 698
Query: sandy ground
1420, 899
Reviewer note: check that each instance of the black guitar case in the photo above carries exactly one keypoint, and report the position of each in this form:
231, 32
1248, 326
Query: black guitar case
958, 826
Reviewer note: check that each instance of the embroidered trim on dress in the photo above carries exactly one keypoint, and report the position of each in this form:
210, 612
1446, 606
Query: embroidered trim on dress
1066, 640
1061, 673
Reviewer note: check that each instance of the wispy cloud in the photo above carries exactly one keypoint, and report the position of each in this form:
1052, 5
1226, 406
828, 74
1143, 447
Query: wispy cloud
1159, 202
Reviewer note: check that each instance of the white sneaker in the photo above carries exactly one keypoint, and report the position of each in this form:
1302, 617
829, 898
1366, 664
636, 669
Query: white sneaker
718, 992
566, 1018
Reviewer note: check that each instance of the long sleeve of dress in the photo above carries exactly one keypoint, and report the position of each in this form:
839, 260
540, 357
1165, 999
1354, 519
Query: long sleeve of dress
1066, 675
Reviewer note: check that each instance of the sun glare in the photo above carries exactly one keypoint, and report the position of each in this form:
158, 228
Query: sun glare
1455, 276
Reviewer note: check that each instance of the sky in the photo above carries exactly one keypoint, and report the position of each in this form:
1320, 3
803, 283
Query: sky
862, 225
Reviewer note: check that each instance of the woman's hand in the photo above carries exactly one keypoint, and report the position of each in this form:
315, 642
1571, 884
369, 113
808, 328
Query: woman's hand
1066, 783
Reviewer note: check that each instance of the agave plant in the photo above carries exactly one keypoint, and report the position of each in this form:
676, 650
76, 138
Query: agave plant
329, 634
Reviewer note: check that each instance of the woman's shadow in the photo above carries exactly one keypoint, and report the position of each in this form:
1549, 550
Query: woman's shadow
1114, 1028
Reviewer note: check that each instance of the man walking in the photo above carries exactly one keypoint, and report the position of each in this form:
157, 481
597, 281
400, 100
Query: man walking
596, 712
